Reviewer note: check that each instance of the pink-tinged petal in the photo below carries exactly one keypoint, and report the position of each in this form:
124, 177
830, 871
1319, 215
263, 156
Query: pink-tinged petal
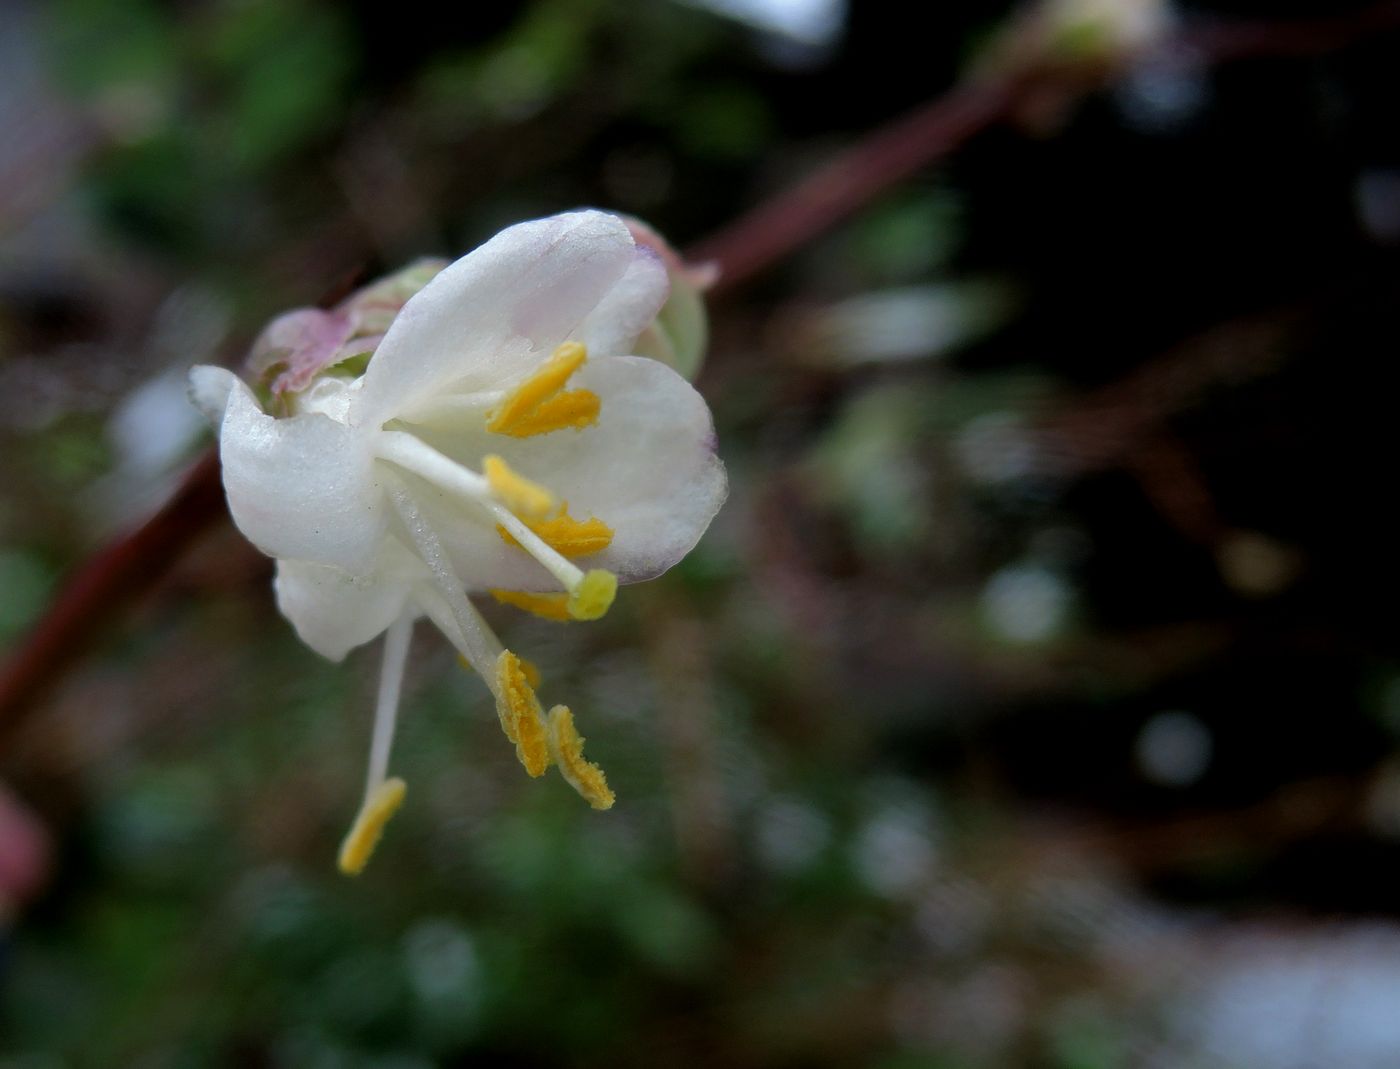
698, 276
297, 346
373, 308
679, 333
489, 318
303, 488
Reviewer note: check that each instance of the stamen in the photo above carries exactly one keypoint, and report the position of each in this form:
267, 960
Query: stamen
382, 796
566, 746
530, 668
566, 535
386, 708
446, 620
537, 406
547, 606
364, 835
445, 601
521, 714
517, 493
590, 593
422, 459
452, 410
591, 598
574, 409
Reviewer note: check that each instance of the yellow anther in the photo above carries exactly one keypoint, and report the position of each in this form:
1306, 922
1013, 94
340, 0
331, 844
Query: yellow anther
531, 670
525, 498
567, 536
584, 776
537, 406
548, 606
364, 835
572, 408
520, 713
532, 743
593, 596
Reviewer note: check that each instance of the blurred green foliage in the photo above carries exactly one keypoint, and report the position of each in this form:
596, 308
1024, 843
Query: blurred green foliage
1026, 452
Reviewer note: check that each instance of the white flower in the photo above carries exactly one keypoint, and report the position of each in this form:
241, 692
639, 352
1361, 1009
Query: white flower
500, 440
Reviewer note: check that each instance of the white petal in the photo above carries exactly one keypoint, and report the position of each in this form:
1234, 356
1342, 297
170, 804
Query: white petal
489, 318
648, 469
333, 611
210, 388
628, 308
302, 488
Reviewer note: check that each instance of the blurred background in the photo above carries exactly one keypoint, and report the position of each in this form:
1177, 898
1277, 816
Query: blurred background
1035, 699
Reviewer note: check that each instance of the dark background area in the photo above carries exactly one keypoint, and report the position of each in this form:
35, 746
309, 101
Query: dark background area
1034, 701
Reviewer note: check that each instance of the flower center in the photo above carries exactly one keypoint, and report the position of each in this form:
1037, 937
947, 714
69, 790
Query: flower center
540, 404
589, 593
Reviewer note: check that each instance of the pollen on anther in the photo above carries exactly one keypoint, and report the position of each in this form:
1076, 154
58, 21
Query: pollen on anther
546, 606
593, 596
369, 824
537, 405
565, 535
583, 775
522, 718
525, 498
572, 409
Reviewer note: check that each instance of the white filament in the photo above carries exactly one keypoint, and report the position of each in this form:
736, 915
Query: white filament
387, 708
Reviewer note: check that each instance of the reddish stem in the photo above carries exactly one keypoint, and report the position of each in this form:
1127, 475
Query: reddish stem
789, 220
108, 579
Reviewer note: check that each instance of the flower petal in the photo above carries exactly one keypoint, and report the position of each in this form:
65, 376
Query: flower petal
647, 469
297, 346
301, 488
493, 315
333, 611
650, 470
628, 308
210, 389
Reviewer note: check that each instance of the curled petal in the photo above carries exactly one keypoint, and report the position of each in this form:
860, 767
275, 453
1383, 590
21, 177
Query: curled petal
371, 310
628, 308
297, 346
490, 317
210, 389
650, 472
697, 276
303, 488
680, 331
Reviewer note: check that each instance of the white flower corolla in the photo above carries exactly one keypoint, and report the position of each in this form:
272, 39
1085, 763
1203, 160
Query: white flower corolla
500, 440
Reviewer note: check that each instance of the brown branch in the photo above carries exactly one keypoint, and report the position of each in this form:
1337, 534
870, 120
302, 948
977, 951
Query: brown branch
1225, 40
777, 227
767, 234
106, 581
789, 220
